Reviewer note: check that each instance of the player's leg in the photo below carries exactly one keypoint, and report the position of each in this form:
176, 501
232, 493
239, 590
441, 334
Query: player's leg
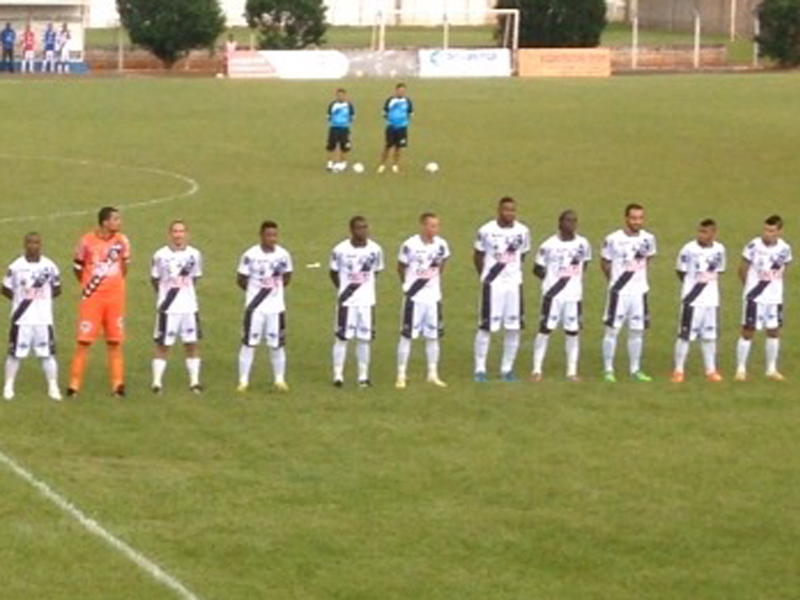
387, 148
773, 342
409, 329
344, 329
114, 328
513, 322
571, 317
253, 329
44, 345
549, 321
638, 321
276, 340
686, 333
164, 338
433, 330
614, 319
751, 321
488, 322
90, 323
344, 148
708, 343
331, 149
18, 348
365, 334
191, 334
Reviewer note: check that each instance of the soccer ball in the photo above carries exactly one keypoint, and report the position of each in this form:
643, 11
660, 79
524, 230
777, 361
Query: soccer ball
432, 167
358, 168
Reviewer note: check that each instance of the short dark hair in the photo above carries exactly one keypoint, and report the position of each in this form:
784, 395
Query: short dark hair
341, 91
708, 223
774, 221
105, 214
356, 220
567, 213
632, 207
31, 234
427, 215
400, 85
268, 225
506, 200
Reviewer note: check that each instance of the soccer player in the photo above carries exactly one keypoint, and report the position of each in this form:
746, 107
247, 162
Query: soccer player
230, 49
50, 41
265, 271
500, 250
626, 256
762, 270
101, 266
28, 50
341, 113
560, 264
8, 39
397, 111
62, 45
420, 264
174, 273
31, 283
699, 266
355, 264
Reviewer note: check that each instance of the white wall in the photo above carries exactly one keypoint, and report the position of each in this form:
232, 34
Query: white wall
103, 13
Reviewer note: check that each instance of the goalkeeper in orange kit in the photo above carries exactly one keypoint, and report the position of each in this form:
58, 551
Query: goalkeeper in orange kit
101, 264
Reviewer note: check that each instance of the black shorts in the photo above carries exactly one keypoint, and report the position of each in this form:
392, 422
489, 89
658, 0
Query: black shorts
339, 137
397, 137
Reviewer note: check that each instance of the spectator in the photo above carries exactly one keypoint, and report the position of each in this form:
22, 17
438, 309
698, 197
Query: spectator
8, 38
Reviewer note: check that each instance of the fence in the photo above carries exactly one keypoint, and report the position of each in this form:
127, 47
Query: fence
730, 17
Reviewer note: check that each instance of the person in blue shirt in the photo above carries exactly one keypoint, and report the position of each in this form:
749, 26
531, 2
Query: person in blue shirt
397, 111
50, 40
8, 39
341, 113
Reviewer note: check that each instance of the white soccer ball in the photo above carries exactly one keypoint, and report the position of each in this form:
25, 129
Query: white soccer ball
358, 168
432, 167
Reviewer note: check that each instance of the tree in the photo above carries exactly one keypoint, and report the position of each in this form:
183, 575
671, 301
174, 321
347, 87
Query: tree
170, 29
287, 24
780, 31
558, 23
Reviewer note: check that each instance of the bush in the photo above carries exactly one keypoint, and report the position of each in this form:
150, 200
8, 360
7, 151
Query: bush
287, 24
170, 29
558, 23
780, 31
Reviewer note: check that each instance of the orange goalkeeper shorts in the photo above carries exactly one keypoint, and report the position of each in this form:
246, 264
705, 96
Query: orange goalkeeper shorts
101, 313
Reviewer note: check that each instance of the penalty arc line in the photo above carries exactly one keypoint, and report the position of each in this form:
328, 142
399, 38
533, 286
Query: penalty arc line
192, 186
93, 527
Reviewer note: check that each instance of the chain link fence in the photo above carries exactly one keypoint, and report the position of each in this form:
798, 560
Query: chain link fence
734, 18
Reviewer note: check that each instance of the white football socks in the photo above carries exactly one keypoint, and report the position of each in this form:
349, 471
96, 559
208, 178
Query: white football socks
482, 341
432, 354
539, 351
771, 349
681, 354
277, 357
609, 348
572, 345
339, 357
510, 349
363, 352
742, 354
635, 346
403, 354
709, 349
246, 354
159, 366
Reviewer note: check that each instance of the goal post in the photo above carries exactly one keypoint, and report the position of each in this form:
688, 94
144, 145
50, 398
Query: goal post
506, 20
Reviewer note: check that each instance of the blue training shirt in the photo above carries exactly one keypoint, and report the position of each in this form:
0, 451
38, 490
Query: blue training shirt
50, 37
9, 37
398, 112
341, 114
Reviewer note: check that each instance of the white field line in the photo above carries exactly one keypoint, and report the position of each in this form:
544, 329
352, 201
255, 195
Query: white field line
192, 186
93, 527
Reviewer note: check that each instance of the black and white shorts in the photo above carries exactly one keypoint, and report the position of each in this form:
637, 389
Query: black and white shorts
339, 137
173, 326
355, 322
422, 319
630, 309
557, 312
698, 322
397, 137
24, 339
267, 327
761, 315
501, 307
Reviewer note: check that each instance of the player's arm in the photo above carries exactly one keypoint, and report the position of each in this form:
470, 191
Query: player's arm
477, 260
334, 275
78, 263
242, 281
401, 270
605, 267
681, 275
287, 278
744, 267
9, 293
539, 271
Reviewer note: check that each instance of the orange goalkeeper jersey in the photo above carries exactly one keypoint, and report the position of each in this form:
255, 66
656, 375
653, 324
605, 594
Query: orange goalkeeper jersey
101, 264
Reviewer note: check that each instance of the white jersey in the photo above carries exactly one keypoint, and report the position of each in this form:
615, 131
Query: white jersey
176, 272
424, 268
701, 266
264, 272
63, 39
764, 283
628, 255
32, 284
357, 267
564, 262
504, 249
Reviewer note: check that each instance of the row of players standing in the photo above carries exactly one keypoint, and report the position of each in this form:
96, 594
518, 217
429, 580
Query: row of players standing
55, 49
265, 270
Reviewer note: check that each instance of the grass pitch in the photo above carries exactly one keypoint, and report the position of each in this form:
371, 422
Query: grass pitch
497, 491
